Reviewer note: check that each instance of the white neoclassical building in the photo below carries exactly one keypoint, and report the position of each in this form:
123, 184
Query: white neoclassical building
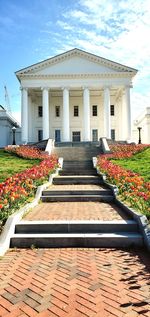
76, 96
142, 122
7, 123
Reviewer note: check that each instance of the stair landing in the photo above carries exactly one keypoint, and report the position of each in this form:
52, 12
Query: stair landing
76, 187
76, 211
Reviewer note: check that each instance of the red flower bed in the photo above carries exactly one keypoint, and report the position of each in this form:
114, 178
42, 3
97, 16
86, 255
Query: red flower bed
125, 150
17, 189
27, 152
132, 187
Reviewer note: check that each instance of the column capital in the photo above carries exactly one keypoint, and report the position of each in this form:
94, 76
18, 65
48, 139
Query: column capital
106, 87
128, 86
24, 88
85, 87
45, 88
65, 88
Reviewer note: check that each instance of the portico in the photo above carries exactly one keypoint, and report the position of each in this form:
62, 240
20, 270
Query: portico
63, 102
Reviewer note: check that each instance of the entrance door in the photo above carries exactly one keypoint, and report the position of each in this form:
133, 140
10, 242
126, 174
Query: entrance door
76, 136
94, 135
40, 135
57, 136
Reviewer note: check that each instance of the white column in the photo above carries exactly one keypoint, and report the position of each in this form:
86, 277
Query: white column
66, 134
45, 103
107, 127
24, 115
86, 114
128, 113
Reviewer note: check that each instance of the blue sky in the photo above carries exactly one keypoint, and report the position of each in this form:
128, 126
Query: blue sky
34, 30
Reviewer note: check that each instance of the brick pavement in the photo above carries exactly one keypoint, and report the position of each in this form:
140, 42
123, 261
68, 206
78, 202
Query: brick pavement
75, 211
75, 283
76, 187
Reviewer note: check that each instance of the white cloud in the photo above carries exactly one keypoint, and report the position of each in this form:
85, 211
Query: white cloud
64, 25
115, 29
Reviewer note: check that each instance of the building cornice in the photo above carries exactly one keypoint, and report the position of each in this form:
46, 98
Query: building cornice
77, 76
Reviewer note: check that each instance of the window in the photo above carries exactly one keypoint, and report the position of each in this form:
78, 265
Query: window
94, 135
40, 111
112, 110
57, 111
113, 134
94, 111
76, 111
40, 135
76, 136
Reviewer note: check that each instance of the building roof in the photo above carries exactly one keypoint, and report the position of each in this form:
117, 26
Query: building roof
4, 115
36, 69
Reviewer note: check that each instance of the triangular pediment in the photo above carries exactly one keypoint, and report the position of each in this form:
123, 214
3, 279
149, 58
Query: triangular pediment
75, 62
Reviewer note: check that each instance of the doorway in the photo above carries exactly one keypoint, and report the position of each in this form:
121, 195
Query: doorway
94, 135
57, 136
76, 136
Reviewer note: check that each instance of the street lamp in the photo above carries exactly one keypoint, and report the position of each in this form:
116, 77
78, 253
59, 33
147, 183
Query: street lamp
139, 129
13, 131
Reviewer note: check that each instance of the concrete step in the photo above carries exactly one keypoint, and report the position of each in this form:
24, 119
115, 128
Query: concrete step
78, 171
87, 240
79, 164
78, 179
87, 226
68, 198
67, 192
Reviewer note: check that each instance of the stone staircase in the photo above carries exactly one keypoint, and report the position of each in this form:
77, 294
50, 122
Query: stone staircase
76, 234
77, 170
77, 153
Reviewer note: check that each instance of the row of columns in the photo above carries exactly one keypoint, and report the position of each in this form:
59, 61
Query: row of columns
86, 114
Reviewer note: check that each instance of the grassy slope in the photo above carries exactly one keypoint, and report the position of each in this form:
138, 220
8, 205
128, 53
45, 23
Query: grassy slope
139, 163
11, 164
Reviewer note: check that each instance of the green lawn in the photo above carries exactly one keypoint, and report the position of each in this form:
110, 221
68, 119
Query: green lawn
138, 163
11, 164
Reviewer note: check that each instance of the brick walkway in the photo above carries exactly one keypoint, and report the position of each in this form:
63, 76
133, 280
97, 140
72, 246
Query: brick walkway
75, 283
75, 211
76, 186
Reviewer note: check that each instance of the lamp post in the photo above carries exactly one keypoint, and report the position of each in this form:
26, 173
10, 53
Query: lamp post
13, 131
139, 129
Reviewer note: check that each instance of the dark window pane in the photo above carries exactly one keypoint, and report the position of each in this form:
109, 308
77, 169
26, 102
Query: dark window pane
112, 110
94, 110
40, 111
57, 111
76, 111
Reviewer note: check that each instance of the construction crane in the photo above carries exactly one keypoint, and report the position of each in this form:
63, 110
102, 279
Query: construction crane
7, 101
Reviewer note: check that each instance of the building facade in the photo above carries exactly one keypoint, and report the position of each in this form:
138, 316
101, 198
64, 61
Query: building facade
142, 123
7, 122
76, 96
